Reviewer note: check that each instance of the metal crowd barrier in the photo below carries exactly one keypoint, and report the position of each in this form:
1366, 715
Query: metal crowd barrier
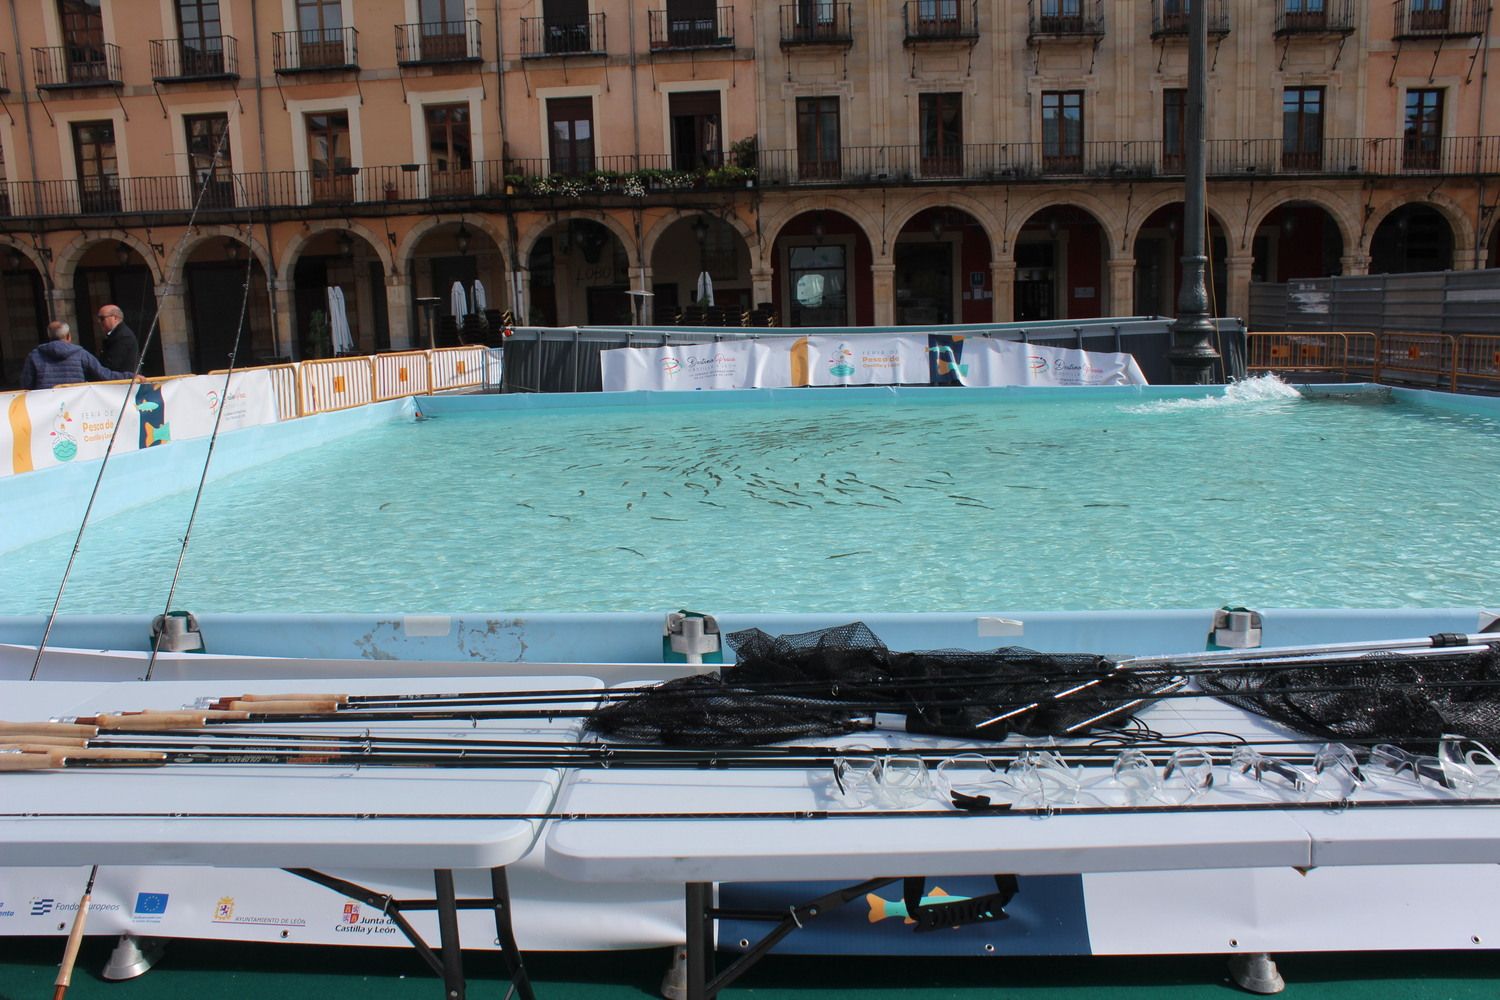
1439, 360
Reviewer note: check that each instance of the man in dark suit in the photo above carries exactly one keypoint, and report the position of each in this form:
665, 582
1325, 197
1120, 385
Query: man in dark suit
120, 350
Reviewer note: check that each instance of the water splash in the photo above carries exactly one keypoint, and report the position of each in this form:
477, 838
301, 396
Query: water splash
1260, 391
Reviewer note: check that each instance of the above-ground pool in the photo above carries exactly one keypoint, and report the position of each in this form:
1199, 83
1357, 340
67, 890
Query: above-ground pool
814, 500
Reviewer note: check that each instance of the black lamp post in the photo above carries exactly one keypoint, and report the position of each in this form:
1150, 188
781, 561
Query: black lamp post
429, 306
1191, 354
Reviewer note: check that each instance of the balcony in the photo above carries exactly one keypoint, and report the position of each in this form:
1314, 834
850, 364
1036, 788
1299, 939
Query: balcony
675, 30
940, 21
816, 22
317, 50
1440, 18
1061, 19
1173, 18
543, 38
180, 60
1318, 18
59, 67
435, 43
4, 77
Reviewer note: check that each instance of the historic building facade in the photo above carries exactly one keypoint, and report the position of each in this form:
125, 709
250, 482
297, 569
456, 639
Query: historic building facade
926, 161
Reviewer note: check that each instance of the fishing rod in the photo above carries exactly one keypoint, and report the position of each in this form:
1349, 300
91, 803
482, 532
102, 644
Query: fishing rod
75, 939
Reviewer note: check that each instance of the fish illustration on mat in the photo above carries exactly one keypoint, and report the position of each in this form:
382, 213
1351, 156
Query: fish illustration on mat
154, 427
884, 909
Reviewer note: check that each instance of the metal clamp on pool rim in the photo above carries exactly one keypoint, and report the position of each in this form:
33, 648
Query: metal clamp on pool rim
691, 637
176, 632
1235, 628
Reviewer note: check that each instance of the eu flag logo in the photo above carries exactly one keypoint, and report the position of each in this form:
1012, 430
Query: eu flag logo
151, 902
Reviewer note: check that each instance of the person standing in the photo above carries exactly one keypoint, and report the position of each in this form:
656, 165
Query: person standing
121, 351
59, 361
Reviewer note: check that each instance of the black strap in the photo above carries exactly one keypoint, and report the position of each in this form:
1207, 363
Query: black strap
957, 912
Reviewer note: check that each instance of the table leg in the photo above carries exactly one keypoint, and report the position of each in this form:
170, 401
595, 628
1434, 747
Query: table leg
449, 947
505, 934
700, 944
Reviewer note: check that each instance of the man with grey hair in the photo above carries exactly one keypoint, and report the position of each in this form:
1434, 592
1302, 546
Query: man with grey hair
120, 350
60, 361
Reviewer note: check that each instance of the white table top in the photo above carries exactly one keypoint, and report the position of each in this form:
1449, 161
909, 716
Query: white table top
83, 816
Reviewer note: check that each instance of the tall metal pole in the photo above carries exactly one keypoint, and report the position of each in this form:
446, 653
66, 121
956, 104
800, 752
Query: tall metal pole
1192, 355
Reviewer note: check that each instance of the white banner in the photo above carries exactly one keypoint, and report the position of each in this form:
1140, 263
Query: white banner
986, 361
892, 359
731, 364
74, 423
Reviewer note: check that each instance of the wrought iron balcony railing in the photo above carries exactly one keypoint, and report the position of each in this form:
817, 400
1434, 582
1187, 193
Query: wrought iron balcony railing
80, 64
433, 42
1173, 17
4, 77
1065, 18
817, 22
315, 50
1315, 17
940, 20
691, 28
626, 176
1440, 18
175, 60
543, 37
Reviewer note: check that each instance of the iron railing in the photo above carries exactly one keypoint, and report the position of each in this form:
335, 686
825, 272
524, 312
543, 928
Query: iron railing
1316, 17
1439, 360
1445, 19
212, 58
81, 64
4, 78
1173, 17
437, 42
314, 50
940, 20
1065, 18
817, 22
697, 28
542, 37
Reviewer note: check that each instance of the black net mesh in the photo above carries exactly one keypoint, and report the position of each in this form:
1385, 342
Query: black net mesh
835, 680
1380, 697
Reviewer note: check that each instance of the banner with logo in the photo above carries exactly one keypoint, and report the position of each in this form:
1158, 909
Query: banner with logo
894, 359
986, 361
74, 424
677, 367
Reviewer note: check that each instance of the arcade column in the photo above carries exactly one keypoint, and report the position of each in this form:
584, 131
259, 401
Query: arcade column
761, 285
884, 274
172, 328
1121, 286
286, 319
61, 307
398, 311
1238, 270
1358, 263
644, 306
1003, 281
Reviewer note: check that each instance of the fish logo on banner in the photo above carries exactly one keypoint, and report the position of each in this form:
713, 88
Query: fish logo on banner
838, 362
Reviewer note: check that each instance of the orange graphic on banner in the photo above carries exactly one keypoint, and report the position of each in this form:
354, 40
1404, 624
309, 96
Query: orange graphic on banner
20, 435
799, 362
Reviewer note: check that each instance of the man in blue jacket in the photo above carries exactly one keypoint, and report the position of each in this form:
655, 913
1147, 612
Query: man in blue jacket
60, 361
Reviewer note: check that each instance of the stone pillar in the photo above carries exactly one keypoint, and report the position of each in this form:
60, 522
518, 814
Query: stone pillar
286, 319
172, 328
1003, 281
1238, 268
1121, 287
61, 307
884, 273
1356, 263
1465, 259
762, 285
645, 305
520, 303
398, 311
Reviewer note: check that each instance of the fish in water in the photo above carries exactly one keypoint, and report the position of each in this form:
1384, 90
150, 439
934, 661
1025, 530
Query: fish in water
561, 517
385, 505
845, 555
526, 505
626, 548
679, 519
884, 909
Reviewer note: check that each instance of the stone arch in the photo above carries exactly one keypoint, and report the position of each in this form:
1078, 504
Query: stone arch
293, 249
1103, 213
68, 258
981, 212
1458, 221
1337, 208
654, 234
30, 253
1162, 199
408, 248
856, 212
543, 223
177, 260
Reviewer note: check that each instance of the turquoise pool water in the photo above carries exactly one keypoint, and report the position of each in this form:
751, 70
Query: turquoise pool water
905, 502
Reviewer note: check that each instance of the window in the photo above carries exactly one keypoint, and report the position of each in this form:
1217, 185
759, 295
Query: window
1305, 15
1062, 130
4, 184
695, 130
1176, 14
818, 138
444, 30
320, 33
1174, 130
450, 150
1423, 134
816, 19
937, 17
1429, 15
566, 23
942, 134
692, 22
98, 169
818, 276
82, 24
328, 158
1061, 17
209, 160
200, 38
1302, 128
570, 131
